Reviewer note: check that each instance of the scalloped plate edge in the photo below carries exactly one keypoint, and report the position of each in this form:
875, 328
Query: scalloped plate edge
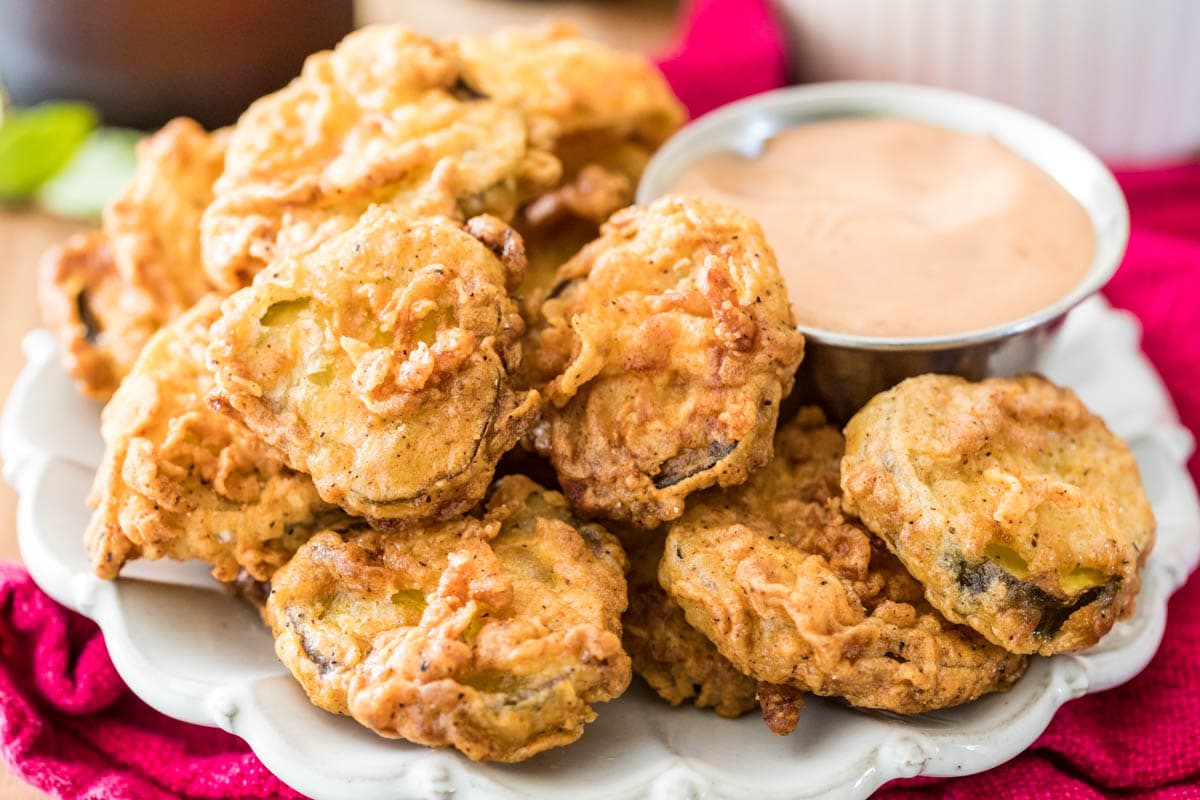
439, 774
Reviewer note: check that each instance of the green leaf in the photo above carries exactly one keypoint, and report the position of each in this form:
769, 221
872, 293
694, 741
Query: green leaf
36, 142
97, 172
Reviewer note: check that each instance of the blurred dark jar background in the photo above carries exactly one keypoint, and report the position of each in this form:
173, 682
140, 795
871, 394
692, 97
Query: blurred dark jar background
141, 62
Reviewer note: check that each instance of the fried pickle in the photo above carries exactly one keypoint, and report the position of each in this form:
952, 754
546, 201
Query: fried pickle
381, 363
182, 481
491, 634
105, 293
572, 86
602, 113
675, 659
796, 593
1021, 513
381, 119
663, 355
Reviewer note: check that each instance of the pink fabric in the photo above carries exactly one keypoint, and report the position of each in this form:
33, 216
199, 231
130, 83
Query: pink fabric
69, 726
727, 50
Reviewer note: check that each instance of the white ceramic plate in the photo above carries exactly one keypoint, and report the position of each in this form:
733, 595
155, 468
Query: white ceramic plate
198, 655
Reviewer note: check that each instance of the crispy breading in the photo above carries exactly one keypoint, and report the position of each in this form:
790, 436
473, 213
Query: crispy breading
602, 113
381, 363
1016, 507
560, 222
794, 592
592, 196
781, 706
662, 353
105, 294
180, 480
101, 326
572, 86
491, 634
381, 119
678, 662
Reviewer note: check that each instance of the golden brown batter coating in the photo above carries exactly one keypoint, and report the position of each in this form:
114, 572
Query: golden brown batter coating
105, 294
1021, 513
560, 222
781, 706
793, 592
571, 86
383, 118
84, 301
493, 635
602, 112
180, 480
381, 363
678, 662
663, 355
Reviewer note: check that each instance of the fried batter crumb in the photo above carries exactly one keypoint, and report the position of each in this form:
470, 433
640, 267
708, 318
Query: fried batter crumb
781, 706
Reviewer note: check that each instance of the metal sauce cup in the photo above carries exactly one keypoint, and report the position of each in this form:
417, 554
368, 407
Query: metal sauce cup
843, 371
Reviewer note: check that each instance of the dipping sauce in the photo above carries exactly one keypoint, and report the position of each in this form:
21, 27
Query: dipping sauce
890, 227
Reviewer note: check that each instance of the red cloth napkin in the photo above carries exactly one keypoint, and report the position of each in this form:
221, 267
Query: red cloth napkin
69, 726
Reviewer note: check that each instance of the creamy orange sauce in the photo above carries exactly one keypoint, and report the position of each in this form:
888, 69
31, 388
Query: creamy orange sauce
890, 227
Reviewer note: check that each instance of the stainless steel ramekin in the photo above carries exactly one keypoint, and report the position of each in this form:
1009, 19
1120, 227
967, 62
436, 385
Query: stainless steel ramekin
843, 371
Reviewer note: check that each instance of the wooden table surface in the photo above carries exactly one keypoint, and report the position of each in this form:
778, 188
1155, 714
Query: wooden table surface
644, 26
